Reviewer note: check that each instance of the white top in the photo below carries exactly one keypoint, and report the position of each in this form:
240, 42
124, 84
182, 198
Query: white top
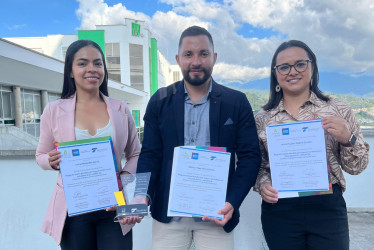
81, 134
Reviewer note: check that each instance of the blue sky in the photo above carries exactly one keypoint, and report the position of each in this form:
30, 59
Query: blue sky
37, 17
246, 32
22, 18
59, 17
43, 17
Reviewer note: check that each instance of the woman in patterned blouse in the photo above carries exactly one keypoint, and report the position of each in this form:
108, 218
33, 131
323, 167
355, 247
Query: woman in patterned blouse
319, 221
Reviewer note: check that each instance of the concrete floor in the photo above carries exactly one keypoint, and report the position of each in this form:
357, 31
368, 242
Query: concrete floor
361, 231
248, 234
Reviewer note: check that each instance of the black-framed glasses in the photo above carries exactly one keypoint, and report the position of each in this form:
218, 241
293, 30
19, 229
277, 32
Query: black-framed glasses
285, 69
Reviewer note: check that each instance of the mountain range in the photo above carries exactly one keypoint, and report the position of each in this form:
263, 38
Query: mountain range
362, 86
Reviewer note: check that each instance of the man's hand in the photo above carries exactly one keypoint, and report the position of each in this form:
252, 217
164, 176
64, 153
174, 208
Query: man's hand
227, 212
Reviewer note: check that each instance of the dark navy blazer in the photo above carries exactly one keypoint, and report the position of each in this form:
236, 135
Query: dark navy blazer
232, 126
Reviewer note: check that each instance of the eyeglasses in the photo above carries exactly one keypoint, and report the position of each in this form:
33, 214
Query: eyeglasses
285, 69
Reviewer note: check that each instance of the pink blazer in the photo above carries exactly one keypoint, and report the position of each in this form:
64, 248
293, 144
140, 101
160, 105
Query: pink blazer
57, 125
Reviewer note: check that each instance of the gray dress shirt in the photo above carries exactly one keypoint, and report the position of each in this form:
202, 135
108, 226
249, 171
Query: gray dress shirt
196, 120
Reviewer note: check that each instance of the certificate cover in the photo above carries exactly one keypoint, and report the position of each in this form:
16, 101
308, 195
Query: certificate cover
89, 174
198, 182
298, 162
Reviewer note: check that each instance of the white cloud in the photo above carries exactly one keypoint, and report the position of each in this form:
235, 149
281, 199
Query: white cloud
16, 26
202, 9
234, 51
167, 27
238, 73
97, 12
340, 32
264, 13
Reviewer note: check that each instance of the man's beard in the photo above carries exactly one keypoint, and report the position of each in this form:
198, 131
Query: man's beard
197, 81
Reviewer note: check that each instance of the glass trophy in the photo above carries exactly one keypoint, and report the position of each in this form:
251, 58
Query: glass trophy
135, 187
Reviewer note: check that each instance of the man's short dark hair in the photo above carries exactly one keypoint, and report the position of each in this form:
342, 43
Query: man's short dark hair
195, 31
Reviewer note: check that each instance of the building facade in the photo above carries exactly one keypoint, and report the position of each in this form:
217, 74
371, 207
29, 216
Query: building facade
31, 71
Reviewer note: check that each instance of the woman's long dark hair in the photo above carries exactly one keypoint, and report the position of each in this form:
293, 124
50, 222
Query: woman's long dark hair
276, 97
69, 88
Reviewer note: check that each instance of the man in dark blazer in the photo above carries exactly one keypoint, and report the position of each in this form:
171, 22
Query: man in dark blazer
227, 121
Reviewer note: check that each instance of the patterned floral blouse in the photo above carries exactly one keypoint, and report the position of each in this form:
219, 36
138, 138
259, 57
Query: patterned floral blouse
352, 160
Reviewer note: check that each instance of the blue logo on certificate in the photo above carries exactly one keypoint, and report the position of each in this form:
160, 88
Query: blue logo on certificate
195, 156
285, 131
75, 152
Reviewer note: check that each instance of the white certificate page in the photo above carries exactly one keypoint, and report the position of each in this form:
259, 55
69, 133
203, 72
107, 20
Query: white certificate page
88, 174
198, 182
297, 154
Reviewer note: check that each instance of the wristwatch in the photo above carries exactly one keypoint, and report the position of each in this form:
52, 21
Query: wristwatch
352, 140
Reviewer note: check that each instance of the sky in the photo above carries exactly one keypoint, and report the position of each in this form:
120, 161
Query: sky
245, 32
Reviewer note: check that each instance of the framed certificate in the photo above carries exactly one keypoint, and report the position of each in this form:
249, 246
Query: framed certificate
298, 162
198, 182
89, 174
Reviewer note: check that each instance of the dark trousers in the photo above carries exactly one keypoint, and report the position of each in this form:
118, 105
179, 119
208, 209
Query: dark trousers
94, 231
311, 222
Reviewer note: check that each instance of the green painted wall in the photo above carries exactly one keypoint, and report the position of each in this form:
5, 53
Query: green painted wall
94, 35
136, 116
154, 66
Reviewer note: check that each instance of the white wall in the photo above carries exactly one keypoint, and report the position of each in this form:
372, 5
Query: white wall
49, 45
37, 43
24, 194
165, 71
26, 189
359, 193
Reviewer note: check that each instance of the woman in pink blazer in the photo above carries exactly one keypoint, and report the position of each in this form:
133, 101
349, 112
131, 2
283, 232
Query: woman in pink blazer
86, 111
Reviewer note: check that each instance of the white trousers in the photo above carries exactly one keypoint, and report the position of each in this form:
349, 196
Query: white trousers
178, 235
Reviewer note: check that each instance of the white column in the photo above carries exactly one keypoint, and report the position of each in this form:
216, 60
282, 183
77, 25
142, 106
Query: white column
18, 107
44, 98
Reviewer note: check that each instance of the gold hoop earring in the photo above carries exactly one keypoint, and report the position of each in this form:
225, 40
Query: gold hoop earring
277, 88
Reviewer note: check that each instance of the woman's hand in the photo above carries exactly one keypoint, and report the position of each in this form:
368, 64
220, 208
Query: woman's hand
268, 193
139, 199
338, 128
128, 220
109, 209
54, 159
131, 220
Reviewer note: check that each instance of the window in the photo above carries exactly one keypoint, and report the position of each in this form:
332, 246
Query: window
53, 97
113, 61
31, 111
6, 106
136, 66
